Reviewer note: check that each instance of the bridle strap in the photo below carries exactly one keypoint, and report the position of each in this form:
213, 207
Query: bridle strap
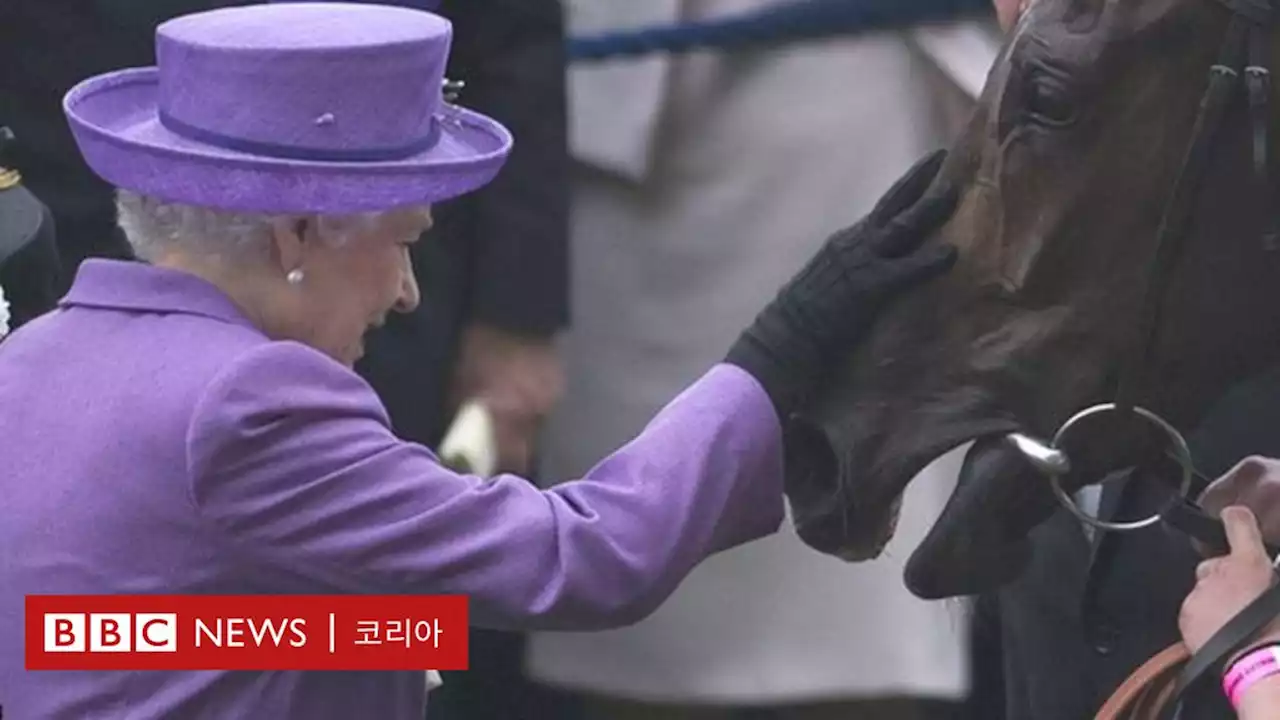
1188, 518
1259, 11
1175, 223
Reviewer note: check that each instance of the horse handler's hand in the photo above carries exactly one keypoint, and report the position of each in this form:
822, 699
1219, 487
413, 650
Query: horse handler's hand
1226, 585
1254, 483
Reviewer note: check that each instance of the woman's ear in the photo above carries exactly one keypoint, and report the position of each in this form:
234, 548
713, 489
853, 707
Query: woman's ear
1008, 12
288, 240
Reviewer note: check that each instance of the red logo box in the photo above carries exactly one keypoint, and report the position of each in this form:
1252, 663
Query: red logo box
246, 632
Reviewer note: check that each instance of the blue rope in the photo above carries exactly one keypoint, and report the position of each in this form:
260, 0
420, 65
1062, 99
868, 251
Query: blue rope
776, 25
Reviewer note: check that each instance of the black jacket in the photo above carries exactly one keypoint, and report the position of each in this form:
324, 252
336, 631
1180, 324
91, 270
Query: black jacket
499, 256
30, 269
1087, 614
46, 48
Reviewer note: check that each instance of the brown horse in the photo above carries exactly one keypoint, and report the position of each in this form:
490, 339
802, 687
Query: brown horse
1068, 168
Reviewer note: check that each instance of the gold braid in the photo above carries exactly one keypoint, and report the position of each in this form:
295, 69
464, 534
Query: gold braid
9, 178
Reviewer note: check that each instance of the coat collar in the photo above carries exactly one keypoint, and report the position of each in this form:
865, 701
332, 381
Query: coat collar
140, 287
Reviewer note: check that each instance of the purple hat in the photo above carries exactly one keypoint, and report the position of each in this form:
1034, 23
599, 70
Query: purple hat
327, 108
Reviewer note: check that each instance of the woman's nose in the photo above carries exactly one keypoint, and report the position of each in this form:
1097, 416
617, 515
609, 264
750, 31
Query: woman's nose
410, 296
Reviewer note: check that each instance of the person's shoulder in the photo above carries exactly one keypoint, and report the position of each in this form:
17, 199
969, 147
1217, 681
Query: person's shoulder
279, 400
275, 377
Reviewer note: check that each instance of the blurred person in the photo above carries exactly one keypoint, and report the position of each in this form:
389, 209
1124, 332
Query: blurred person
494, 273
245, 455
46, 47
30, 269
496, 267
702, 182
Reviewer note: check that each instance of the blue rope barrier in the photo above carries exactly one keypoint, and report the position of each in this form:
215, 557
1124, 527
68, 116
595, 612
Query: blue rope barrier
784, 23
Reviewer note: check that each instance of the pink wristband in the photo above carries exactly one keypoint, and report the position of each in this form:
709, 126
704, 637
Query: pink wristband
1261, 663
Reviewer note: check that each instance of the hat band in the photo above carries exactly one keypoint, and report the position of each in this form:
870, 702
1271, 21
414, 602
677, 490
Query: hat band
294, 152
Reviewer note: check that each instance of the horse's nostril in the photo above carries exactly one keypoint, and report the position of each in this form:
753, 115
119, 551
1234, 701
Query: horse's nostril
824, 512
812, 468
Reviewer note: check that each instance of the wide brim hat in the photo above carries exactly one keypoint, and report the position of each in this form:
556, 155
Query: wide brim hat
325, 108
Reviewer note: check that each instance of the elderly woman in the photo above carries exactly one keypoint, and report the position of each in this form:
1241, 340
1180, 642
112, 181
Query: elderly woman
191, 424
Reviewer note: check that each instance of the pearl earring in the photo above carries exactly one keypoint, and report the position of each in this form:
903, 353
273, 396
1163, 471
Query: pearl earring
294, 277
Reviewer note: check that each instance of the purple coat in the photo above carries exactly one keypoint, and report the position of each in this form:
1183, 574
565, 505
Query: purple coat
153, 441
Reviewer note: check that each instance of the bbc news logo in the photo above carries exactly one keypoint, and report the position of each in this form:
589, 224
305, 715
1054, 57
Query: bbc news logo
111, 632
256, 632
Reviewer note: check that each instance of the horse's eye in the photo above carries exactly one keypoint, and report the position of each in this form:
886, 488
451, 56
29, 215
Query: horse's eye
1047, 102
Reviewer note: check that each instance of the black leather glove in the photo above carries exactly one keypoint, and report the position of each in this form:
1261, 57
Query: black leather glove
824, 310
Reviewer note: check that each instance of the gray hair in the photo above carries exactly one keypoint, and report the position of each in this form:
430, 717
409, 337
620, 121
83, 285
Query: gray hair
154, 227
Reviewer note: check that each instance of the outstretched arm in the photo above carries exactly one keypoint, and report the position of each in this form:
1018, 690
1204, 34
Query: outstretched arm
292, 460
293, 463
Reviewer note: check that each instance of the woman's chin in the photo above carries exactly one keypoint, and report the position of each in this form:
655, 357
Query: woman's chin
349, 354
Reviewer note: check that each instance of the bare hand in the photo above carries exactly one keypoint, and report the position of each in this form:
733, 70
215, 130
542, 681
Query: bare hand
1226, 585
1254, 483
518, 379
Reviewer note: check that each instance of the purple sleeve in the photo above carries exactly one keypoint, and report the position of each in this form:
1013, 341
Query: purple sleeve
291, 459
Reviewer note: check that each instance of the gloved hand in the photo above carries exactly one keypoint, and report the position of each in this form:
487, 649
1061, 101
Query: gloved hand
828, 306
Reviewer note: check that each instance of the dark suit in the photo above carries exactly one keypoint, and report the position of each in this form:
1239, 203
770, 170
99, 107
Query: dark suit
30, 269
1074, 628
500, 255
46, 47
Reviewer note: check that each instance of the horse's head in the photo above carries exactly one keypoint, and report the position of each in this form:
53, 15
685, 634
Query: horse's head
1067, 167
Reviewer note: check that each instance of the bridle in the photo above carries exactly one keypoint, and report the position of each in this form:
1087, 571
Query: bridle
1243, 55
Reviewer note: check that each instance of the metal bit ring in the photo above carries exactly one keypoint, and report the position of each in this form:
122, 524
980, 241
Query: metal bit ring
1182, 454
